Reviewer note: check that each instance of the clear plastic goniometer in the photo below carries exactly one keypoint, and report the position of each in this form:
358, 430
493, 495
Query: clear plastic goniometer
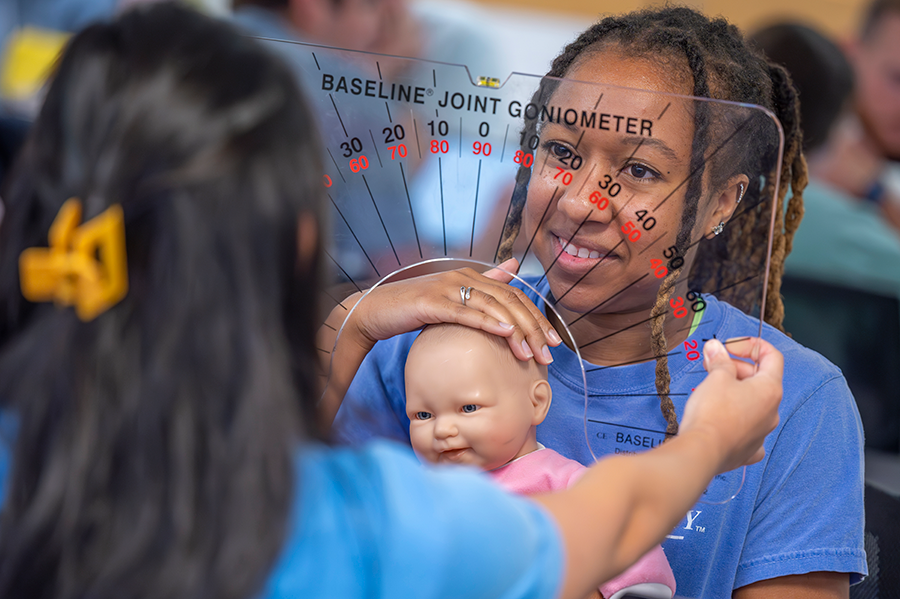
611, 198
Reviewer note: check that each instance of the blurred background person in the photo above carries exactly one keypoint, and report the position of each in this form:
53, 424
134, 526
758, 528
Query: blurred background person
32, 34
863, 153
841, 285
454, 33
842, 240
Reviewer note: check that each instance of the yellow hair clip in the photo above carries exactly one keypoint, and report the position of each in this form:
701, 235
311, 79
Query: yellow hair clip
84, 266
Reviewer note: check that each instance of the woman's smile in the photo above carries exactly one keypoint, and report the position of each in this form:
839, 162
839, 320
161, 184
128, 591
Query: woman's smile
581, 254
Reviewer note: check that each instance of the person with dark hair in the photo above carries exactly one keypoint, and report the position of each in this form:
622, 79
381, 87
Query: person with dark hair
158, 370
863, 155
875, 56
393, 27
796, 527
845, 242
819, 70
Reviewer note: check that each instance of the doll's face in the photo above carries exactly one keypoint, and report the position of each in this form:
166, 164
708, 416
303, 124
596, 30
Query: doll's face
468, 403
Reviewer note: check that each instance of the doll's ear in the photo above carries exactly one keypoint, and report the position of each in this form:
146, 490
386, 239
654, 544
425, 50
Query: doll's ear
541, 395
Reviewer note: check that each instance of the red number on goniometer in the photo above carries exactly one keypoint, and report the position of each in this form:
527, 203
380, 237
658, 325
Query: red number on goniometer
598, 199
524, 159
659, 268
566, 176
691, 347
397, 150
633, 232
483, 149
359, 164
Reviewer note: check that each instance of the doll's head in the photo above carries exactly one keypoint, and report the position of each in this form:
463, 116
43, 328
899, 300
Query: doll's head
470, 400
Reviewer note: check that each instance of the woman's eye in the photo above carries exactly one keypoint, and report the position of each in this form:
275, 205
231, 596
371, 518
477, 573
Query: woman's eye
469, 408
559, 150
423, 415
639, 171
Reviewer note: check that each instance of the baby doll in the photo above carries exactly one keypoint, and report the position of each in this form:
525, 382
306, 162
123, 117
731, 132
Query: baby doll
471, 401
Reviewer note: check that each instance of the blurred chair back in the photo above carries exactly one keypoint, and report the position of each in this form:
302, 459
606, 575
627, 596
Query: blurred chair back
882, 547
859, 331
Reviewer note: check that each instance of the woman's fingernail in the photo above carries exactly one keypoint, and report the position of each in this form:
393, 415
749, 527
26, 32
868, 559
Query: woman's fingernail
545, 351
506, 325
713, 348
527, 349
554, 337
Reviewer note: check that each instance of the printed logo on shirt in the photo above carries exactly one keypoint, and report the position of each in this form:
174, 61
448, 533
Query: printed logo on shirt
690, 523
613, 438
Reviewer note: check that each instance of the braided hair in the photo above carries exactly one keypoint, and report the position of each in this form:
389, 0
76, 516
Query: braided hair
722, 66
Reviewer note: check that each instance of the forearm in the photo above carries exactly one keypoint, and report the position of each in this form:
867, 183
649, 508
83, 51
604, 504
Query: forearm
626, 504
342, 361
815, 585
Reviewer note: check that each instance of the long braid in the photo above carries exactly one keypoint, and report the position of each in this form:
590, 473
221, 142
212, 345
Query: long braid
794, 175
659, 347
658, 342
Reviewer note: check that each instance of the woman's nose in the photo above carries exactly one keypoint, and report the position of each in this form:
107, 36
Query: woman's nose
583, 200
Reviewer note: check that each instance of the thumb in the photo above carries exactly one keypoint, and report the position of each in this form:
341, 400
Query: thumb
716, 358
502, 271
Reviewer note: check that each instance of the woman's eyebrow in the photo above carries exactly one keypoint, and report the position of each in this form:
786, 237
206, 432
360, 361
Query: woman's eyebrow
653, 142
629, 140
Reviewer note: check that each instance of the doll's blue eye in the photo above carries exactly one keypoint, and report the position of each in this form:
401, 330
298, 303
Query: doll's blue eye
469, 408
423, 415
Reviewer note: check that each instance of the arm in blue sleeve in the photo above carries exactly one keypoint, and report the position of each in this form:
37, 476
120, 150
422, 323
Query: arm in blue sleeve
374, 523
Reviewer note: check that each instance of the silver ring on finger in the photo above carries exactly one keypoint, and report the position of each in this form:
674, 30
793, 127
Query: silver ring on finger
465, 293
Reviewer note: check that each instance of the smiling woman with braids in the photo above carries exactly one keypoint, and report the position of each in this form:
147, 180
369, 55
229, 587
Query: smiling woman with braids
796, 527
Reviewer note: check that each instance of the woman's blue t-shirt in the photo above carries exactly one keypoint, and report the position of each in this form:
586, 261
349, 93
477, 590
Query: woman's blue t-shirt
800, 510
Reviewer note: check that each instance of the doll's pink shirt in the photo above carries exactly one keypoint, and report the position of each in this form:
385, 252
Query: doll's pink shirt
540, 471
545, 470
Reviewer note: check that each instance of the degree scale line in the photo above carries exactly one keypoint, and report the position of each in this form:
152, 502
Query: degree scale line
411, 214
475, 209
352, 232
374, 145
383, 226
338, 113
346, 274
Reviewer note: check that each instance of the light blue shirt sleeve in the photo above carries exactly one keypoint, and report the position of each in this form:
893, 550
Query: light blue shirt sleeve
375, 523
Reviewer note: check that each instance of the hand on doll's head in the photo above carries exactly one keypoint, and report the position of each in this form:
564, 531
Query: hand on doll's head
470, 400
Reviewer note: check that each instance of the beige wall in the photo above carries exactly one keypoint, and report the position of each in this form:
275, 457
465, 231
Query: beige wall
837, 17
